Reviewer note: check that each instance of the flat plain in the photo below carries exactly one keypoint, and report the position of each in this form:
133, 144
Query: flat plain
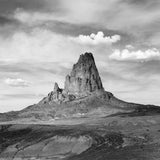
112, 138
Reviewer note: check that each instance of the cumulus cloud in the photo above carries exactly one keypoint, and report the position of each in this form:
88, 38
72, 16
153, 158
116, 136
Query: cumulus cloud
111, 14
126, 54
129, 46
18, 82
95, 39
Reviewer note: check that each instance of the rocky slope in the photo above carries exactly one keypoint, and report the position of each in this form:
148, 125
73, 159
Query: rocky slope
83, 96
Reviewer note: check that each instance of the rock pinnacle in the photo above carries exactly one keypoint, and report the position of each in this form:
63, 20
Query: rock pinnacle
84, 77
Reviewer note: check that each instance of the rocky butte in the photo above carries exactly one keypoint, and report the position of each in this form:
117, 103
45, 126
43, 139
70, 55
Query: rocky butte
83, 96
83, 80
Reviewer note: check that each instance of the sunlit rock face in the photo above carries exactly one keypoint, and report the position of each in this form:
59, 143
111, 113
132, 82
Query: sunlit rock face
84, 77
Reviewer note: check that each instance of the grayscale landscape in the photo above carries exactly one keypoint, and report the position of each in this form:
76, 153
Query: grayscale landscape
81, 121
79, 80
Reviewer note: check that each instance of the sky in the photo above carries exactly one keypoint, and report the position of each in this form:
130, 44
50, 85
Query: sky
40, 40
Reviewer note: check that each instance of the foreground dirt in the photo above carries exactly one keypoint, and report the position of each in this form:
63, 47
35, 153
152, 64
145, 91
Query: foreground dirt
111, 138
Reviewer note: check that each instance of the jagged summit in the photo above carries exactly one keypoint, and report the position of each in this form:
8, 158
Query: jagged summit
56, 88
84, 76
84, 79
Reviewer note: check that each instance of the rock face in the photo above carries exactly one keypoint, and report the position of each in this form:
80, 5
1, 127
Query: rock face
84, 77
57, 92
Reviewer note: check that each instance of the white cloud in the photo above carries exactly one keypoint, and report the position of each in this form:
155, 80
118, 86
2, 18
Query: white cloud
38, 45
44, 45
18, 82
69, 11
126, 54
111, 14
34, 17
129, 46
95, 39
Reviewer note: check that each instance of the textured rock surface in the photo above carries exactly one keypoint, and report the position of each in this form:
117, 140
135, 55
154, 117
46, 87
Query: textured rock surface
83, 80
56, 95
84, 76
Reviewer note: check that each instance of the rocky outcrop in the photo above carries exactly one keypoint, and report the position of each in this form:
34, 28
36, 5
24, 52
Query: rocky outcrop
83, 95
54, 96
58, 95
84, 77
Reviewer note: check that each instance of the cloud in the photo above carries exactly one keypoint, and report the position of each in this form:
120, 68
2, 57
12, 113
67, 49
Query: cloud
34, 17
155, 39
37, 45
129, 46
18, 82
5, 20
56, 23
110, 14
113, 14
34, 5
95, 39
126, 54
148, 69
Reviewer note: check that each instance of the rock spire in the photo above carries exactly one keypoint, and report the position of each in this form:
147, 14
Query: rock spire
84, 77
